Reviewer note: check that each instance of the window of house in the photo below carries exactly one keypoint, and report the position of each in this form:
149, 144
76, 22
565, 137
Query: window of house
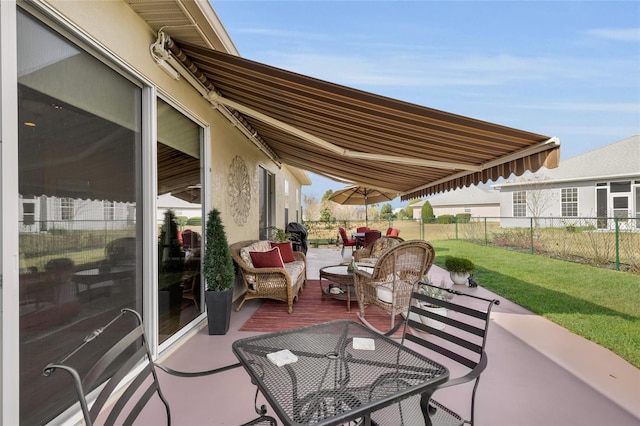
266, 182
29, 212
520, 204
569, 198
109, 209
67, 208
620, 186
79, 144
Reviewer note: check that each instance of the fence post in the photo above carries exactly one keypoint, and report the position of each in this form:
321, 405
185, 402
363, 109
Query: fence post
617, 222
531, 235
486, 237
455, 220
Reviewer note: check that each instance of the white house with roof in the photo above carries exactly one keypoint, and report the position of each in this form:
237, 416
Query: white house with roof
478, 201
603, 183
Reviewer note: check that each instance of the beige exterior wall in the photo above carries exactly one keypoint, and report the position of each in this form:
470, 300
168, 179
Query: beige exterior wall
121, 32
475, 210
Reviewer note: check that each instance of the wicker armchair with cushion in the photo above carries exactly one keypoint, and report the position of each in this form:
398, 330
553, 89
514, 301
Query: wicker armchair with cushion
394, 274
263, 280
371, 253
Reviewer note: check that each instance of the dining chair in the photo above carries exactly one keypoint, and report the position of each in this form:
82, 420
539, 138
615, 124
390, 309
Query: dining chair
370, 237
458, 337
395, 272
346, 241
392, 232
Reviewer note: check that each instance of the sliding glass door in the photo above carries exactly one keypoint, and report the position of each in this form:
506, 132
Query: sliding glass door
179, 219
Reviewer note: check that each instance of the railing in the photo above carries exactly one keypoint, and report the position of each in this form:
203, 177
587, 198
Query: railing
610, 242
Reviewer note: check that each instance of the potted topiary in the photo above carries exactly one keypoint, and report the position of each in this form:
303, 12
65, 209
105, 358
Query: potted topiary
218, 274
459, 269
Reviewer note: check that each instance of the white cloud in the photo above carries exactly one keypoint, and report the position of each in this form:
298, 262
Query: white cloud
632, 108
617, 34
285, 34
444, 70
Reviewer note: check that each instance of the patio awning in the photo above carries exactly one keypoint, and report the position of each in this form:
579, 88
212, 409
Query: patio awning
360, 137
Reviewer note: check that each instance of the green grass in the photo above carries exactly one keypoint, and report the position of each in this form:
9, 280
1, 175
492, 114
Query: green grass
598, 304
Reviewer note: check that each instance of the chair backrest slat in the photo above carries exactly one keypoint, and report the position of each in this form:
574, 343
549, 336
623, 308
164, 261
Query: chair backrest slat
468, 328
450, 337
460, 335
120, 359
443, 351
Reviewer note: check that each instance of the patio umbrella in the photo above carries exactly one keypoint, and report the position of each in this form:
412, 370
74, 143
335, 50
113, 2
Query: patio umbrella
357, 195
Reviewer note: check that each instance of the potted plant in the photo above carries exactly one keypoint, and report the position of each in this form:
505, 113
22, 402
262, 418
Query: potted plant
459, 269
280, 235
428, 289
219, 275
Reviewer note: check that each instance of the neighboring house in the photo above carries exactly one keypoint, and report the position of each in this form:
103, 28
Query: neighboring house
478, 201
603, 183
179, 207
50, 214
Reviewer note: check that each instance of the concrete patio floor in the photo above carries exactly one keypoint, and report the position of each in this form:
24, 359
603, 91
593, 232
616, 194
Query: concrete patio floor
538, 373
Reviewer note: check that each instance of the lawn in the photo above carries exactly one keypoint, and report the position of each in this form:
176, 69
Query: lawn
599, 304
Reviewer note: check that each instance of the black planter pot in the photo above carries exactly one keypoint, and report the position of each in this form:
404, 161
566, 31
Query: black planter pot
218, 310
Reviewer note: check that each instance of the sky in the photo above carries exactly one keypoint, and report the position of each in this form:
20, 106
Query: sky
569, 69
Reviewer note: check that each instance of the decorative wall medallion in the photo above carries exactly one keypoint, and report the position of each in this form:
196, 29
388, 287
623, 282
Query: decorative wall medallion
239, 190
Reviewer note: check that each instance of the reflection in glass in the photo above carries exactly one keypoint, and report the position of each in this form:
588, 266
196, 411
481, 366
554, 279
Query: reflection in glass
78, 147
179, 220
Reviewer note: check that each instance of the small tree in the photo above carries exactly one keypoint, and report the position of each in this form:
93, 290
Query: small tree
217, 263
402, 214
326, 216
427, 212
386, 212
169, 244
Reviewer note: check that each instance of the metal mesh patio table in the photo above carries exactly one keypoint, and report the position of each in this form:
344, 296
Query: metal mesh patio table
332, 382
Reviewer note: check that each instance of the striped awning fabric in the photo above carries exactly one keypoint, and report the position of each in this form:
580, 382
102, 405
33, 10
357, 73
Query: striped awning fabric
360, 137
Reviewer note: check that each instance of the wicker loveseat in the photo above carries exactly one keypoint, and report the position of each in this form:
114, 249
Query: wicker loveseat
371, 253
269, 283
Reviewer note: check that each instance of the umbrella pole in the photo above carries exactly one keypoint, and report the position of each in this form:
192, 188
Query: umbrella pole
366, 211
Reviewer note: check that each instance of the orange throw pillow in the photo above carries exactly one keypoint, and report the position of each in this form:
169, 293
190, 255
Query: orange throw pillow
267, 259
286, 251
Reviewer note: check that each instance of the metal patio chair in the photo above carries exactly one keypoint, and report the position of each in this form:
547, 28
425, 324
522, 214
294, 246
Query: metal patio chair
126, 372
460, 337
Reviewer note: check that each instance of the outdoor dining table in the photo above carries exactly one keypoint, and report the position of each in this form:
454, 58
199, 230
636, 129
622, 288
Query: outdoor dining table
335, 372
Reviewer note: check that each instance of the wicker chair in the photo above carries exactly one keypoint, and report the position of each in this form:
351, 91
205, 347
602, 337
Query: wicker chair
269, 283
371, 253
394, 274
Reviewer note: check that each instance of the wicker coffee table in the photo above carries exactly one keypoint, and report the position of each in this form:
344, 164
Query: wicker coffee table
338, 274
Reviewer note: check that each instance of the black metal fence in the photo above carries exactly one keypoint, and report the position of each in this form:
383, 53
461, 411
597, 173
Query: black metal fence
602, 241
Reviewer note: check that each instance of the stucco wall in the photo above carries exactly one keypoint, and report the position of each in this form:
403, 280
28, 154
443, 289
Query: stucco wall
121, 31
